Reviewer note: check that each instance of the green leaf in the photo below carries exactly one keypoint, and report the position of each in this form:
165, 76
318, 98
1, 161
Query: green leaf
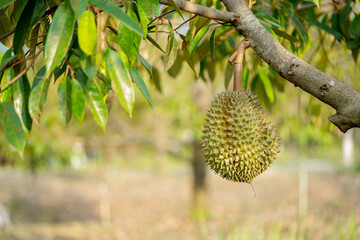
197, 38
150, 7
355, 27
77, 100
173, 4
270, 19
148, 37
34, 39
7, 54
229, 70
145, 64
111, 8
212, 44
4, 63
21, 102
18, 9
6, 92
5, 3
64, 97
300, 28
269, 29
78, 6
141, 85
118, 72
285, 35
59, 36
126, 42
267, 84
344, 18
327, 29
143, 19
96, 103
245, 78
12, 127
170, 58
87, 33
317, 2
38, 95
23, 26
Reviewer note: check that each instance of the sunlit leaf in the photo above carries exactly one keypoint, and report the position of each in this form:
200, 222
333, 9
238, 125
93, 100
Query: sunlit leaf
38, 95
94, 99
126, 42
119, 74
12, 127
111, 8
141, 85
6, 92
87, 33
21, 102
317, 2
96, 103
197, 38
78, 6
59, 36
151, 7
143, 19
65, 99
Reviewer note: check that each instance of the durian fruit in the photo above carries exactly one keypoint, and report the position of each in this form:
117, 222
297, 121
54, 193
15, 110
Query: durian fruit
239, 141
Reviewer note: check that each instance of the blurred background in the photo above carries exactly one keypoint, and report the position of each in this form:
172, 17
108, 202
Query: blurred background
145, 178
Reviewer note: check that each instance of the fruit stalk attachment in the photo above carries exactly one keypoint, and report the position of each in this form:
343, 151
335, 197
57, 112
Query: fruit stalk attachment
237, 59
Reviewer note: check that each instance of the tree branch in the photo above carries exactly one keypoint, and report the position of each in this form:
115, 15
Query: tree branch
203, 11
342, 98
345, 100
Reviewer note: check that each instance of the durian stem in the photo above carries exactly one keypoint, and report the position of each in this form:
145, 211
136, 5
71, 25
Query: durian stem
238, 63
253, 189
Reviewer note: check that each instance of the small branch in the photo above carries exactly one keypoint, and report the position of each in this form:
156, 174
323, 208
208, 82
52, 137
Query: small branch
5, 35
203, 11
238, 63
161, 16
188, 20
23, 72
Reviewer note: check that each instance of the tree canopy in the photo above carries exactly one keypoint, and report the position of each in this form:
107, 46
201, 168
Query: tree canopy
98, 48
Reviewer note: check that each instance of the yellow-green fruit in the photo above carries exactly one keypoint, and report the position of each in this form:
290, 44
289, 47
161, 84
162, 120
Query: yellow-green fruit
239, 141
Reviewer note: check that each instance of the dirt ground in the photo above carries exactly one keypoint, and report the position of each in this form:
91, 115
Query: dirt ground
138, 204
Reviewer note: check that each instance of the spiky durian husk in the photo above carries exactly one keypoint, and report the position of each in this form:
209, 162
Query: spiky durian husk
239, 141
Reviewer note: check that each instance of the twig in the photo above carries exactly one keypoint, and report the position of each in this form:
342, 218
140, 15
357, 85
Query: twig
23, 72
186, 21
251, 3
161, 16
238, 63
8, 33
